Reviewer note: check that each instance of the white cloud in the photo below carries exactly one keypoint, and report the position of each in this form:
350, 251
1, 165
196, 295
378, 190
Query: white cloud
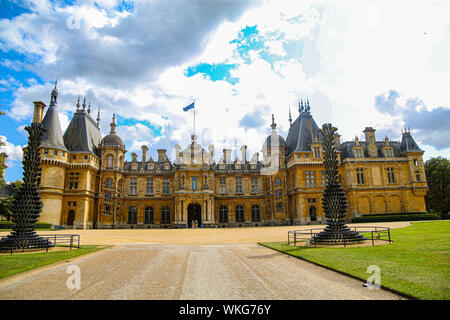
14, 152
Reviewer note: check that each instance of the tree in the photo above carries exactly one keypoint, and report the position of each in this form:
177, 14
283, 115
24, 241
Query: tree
437, 171
5, 208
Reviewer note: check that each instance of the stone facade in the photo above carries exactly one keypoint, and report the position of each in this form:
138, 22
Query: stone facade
86, 182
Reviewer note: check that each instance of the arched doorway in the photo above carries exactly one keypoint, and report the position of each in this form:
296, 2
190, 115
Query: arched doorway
312, 213
194, 213
70, 218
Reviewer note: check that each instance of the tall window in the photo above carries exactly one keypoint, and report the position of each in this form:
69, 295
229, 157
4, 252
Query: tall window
222, 185
166, 186
109, 162
238, 185
223, 214
254, 184
360, 176
165, 215
194, 183
316, 152
148, 215
239, 213
324, 179
390, 174
133, 186
149, 185
108, 183
132, 215
256, 215
416, 162
278, 193
279, 206
310, 179
277, 182
417, 176
73, 180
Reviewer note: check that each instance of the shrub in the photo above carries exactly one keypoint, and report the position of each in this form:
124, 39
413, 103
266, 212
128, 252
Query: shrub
39, 225
396, 217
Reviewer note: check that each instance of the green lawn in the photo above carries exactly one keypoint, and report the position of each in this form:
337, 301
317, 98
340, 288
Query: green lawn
417, 263
16, 263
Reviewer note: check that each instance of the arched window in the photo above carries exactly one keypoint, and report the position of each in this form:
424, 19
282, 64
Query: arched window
109, 162
239, 213
256, 214
132, 215
165, 215
277, 182
148, 215
223, 214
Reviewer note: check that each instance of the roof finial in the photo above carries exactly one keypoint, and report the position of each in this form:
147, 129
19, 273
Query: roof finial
273, 125
300, 106
89, 108
113, 124
54, 95
290, 117
84, 103
98, 115
78, 103
307, 108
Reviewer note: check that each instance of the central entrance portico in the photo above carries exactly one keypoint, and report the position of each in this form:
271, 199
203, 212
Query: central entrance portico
194, 213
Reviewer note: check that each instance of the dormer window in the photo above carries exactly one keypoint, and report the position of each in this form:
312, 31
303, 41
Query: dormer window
134, 167
388, 152
238, 166
358, 152
317, 152
221, 167
166, 166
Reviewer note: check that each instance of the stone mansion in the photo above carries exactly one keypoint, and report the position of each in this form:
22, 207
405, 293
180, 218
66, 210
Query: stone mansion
85, 181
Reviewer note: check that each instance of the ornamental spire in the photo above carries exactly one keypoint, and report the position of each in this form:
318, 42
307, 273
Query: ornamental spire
290, 117
54, 95
273, 125
78, 103
113, 124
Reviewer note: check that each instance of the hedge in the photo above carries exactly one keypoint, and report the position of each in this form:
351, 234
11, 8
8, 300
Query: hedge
39, 225
396, 217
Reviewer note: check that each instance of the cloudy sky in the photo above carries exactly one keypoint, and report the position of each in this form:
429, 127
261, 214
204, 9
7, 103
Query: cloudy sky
383, 64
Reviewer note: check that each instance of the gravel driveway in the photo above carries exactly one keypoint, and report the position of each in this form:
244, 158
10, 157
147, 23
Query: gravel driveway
161, 271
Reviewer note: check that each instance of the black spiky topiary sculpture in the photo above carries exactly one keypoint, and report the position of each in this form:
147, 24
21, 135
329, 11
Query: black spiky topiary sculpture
334, 201
27, 204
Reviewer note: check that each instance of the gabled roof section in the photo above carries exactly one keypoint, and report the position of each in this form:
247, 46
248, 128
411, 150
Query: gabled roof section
83, 133
53, 136
302, 132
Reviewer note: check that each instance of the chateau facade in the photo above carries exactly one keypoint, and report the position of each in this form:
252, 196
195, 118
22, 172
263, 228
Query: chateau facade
85, 181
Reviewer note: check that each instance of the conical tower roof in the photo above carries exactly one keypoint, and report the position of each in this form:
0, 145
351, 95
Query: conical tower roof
53, 136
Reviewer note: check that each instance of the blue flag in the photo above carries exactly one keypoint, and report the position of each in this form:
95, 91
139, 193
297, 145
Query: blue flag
191, 106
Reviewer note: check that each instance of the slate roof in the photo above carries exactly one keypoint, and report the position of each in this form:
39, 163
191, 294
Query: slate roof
53, 136
82, 134
301, 133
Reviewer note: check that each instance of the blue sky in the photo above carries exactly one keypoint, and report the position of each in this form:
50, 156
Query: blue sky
240, 61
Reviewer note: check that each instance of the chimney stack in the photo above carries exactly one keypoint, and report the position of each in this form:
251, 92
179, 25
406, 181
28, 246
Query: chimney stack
369, 133
244, 153
227, 156
38, 111
144, 153
161, 155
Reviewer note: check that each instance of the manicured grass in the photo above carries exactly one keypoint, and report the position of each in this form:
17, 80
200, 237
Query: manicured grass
417, 263
16, 263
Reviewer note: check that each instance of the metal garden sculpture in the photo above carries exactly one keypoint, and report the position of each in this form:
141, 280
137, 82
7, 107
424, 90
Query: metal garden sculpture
27, 204
334, 201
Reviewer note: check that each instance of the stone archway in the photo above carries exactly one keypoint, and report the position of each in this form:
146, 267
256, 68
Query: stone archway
194, 213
